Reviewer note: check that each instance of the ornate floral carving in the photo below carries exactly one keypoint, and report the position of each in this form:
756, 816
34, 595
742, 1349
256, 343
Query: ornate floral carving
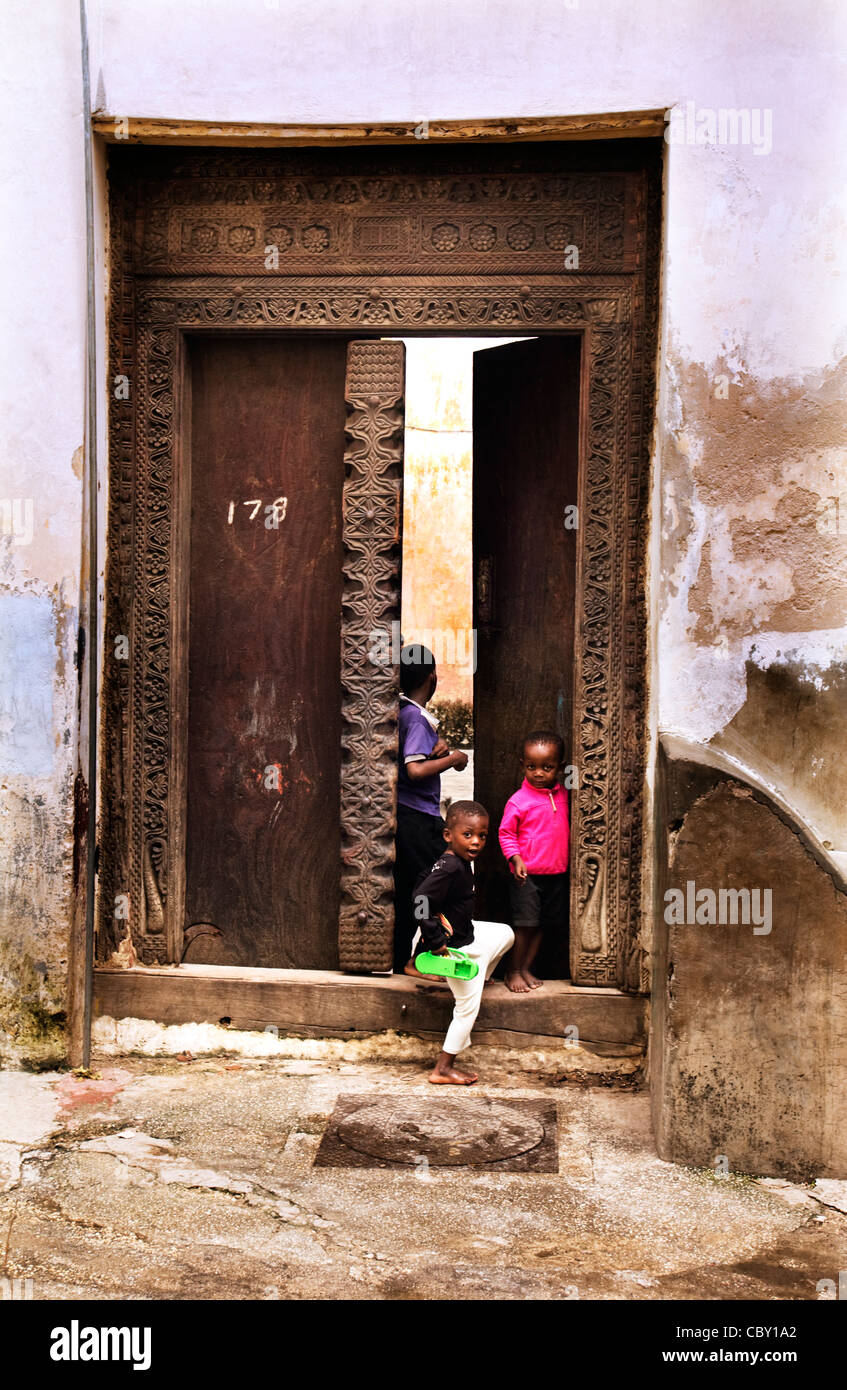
482, 236
315, 237
191, 222
150, 683
445, 236
520, 236
279, 236
373, 514
200, 237
558, 235
241, 239
204, 302
114, 831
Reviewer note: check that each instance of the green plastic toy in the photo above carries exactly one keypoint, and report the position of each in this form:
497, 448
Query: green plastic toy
456, 964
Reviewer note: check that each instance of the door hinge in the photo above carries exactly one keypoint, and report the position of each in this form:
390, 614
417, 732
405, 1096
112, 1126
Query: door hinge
485, 590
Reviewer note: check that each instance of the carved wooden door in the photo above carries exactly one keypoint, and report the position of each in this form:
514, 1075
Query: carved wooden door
262, 771
525, 480
421, 239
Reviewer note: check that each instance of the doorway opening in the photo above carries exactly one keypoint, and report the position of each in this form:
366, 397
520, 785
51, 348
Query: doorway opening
489, 563
419, 243
488, 570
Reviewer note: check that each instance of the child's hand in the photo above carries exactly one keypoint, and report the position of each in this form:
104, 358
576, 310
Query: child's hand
441, 749
459, 760
519, 868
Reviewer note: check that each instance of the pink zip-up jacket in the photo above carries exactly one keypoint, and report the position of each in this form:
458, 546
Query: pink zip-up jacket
535, 826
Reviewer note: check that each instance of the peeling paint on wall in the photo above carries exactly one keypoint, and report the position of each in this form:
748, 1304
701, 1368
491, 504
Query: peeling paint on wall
37, 754
792, 727
28, 662
754, 548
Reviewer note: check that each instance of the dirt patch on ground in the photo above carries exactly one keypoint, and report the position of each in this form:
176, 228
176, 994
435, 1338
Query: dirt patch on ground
198, 1180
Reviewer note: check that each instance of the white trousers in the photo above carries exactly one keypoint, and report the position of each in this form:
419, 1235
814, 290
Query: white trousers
491, 942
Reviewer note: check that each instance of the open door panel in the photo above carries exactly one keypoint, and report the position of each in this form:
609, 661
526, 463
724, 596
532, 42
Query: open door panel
525, 477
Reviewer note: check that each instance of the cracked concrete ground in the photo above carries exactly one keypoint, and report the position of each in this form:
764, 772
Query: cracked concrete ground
168, 1179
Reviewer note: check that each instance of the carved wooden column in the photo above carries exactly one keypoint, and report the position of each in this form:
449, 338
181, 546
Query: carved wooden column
372, 535
153, 764
594, 810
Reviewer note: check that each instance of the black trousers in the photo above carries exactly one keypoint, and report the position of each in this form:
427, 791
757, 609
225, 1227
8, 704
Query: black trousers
419, 842
540, 901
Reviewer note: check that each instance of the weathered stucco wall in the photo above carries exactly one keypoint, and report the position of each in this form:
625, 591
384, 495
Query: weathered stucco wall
749, 1048
42, 386
747, 565
753, 592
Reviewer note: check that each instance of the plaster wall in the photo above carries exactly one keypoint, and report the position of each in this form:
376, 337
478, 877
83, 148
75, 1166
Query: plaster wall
42, 562
748, 565
748, 1045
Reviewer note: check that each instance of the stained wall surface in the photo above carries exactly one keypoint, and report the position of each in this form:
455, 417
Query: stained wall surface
747, 582
42, 399
749, 1045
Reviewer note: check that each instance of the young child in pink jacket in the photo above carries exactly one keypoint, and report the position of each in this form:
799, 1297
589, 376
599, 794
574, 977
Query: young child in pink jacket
535, 838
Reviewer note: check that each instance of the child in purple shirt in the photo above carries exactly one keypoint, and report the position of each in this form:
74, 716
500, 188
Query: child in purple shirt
535, 838
423, 758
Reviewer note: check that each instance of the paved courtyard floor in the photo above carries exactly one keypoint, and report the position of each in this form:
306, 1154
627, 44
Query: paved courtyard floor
162, 1178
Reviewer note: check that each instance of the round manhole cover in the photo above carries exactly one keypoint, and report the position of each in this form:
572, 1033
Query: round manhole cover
446, 1132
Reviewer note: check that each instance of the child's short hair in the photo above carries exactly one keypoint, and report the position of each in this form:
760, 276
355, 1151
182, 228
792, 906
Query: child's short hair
458, 809
416, 663
544, 736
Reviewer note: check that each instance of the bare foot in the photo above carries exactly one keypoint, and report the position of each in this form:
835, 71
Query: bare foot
411, 969
516, 982
532, 980
451, 1076
428, 982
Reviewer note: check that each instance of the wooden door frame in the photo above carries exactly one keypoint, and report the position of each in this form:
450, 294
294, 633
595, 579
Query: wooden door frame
181, 225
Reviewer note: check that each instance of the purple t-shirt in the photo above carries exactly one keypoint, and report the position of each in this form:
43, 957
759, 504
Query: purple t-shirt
417, 740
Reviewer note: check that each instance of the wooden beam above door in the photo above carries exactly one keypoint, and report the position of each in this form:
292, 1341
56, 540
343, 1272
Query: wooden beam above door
158, 130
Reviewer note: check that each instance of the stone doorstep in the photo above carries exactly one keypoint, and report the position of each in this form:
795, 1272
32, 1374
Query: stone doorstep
327, 1003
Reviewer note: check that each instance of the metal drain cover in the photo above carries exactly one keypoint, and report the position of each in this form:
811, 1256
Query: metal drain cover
448, 1131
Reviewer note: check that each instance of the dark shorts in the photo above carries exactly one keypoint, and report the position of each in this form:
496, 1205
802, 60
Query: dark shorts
541, 901
419, 842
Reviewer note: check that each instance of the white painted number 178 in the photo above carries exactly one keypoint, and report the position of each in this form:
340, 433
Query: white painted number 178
275, 511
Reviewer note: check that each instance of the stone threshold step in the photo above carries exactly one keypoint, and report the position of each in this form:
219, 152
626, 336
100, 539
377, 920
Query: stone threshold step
328, 1003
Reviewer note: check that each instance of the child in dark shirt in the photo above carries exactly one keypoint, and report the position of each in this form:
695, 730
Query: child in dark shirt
444, 905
